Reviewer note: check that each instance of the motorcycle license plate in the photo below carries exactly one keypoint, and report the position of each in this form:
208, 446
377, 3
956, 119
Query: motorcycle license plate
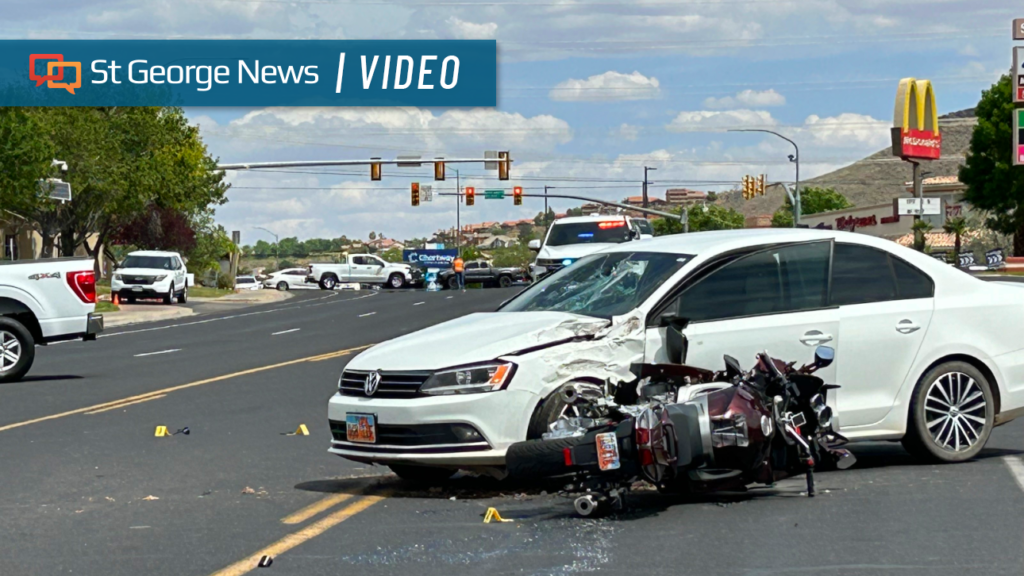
361, 428
608, 451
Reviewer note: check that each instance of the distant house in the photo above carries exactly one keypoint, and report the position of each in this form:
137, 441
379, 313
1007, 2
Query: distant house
758, 221
499, 241
652, 201
681, 196
385, 244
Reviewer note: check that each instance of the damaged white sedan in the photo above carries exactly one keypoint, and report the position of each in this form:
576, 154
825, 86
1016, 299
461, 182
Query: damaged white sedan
926, 353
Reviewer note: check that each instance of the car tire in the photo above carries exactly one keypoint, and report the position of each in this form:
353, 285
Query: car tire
183, 297
328, 282
17, 350
282, 286
505, 281
396, 280
169, 297
956, 399
453, 282
422, 474
552, 409
540, 458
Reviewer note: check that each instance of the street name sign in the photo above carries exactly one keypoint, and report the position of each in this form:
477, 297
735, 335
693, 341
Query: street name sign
494, 194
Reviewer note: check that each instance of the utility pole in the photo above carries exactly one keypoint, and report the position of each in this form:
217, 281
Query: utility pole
458, 213
646, 168
546, 200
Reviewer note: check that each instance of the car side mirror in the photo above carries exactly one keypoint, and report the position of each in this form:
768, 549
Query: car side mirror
534, 245
824, 356
675, 342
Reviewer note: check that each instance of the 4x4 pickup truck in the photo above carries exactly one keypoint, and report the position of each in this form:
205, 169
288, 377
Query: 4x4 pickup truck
364, 269
481, 271
43, 301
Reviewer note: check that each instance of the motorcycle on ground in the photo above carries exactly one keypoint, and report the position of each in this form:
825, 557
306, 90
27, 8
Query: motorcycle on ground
688, 430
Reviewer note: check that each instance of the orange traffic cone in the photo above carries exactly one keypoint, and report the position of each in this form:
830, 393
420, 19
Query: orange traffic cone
115, 300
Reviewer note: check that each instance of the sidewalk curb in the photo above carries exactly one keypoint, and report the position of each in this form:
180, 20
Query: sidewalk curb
256, 297
135, 314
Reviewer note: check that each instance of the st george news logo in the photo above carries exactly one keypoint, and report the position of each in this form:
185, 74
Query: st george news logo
57, 64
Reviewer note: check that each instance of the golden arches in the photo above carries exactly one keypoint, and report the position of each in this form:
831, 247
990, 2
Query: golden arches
915, 106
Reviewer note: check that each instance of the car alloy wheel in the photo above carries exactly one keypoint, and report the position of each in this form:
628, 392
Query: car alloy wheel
282, 286
397, 280
955, 411
10, 351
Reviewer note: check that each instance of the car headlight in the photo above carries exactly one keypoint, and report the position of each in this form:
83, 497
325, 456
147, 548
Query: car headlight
469, 380
160, 278
117, 277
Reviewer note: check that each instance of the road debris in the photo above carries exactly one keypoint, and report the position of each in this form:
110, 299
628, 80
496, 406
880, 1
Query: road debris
248, 490
151, 497
493, 515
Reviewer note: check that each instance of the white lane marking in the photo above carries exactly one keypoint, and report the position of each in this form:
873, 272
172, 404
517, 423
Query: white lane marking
367, 314
160, 352
333, 301
418, 303
1016, 466
448, 298
286, 331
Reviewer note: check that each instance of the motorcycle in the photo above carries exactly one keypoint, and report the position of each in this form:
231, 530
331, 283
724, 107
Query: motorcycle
689, 430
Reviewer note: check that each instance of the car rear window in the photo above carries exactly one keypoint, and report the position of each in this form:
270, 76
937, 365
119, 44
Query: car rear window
607, 231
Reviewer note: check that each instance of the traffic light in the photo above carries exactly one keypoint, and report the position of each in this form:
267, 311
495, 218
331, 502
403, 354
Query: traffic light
760, 183
439, 170
470, 195
748, 187
503, 165
517, 195
375, 170
415, 193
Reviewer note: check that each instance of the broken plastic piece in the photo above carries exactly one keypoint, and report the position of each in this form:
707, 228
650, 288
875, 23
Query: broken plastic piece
492, 515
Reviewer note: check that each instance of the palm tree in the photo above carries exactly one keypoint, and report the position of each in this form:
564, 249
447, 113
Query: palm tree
957, 227
920, 228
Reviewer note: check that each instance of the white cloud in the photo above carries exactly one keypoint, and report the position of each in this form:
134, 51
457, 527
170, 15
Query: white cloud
472, 31
747, 99
626, 132
848, 130
969, 50
608, 87
704, 120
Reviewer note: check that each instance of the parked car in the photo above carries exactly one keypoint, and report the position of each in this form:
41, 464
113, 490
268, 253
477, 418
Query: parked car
151, 274
481, 271
43, 301
247, 283
364, 269
288, 279
924, 353
569, 239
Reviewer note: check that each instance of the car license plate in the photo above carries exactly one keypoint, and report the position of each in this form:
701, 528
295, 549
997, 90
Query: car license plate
361, 428
608, 451
136, 289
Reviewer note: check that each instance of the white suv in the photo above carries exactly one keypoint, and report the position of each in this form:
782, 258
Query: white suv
569, 239
151, 274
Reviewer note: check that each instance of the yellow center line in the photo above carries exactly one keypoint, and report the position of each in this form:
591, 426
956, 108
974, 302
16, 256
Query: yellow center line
149, 395
315, 508
294, 539
116, 406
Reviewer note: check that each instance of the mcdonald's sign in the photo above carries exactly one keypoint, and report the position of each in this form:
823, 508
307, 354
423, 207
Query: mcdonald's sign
915, 132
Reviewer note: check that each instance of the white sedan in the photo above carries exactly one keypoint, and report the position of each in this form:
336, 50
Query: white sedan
925, 353
288, 279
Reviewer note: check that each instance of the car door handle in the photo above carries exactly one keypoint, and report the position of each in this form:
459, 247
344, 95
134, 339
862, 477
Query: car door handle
815, 337
907, 326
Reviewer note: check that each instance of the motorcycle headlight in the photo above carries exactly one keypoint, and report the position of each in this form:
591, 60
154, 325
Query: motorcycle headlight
160, 278
469, 380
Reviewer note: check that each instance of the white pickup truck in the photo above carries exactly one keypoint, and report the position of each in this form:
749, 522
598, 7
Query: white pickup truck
43, 301
364, 269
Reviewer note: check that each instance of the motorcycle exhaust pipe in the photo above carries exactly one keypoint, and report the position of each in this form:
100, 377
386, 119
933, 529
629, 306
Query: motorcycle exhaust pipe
580, 393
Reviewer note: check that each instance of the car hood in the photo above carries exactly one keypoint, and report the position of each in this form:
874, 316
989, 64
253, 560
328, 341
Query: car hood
143, 271
572, 250
476, 338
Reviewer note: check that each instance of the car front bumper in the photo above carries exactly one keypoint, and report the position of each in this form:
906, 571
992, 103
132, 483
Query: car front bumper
500, 417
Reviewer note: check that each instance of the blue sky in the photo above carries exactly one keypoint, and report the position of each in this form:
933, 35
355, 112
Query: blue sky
590, 91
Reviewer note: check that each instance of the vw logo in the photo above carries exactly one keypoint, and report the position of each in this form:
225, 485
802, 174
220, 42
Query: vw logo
372, 382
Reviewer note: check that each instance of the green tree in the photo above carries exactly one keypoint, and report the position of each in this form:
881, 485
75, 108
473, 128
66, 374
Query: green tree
544, 218
471, 253
211, 244
920, 229
701, 218
993, 183
373, 235
812, 201
957, 227
516, 255
391, 255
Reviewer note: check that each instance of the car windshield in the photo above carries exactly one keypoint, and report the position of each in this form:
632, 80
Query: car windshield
601, 285
157, 262
607, 231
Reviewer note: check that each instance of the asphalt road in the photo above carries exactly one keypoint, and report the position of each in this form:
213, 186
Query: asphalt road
87, 489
